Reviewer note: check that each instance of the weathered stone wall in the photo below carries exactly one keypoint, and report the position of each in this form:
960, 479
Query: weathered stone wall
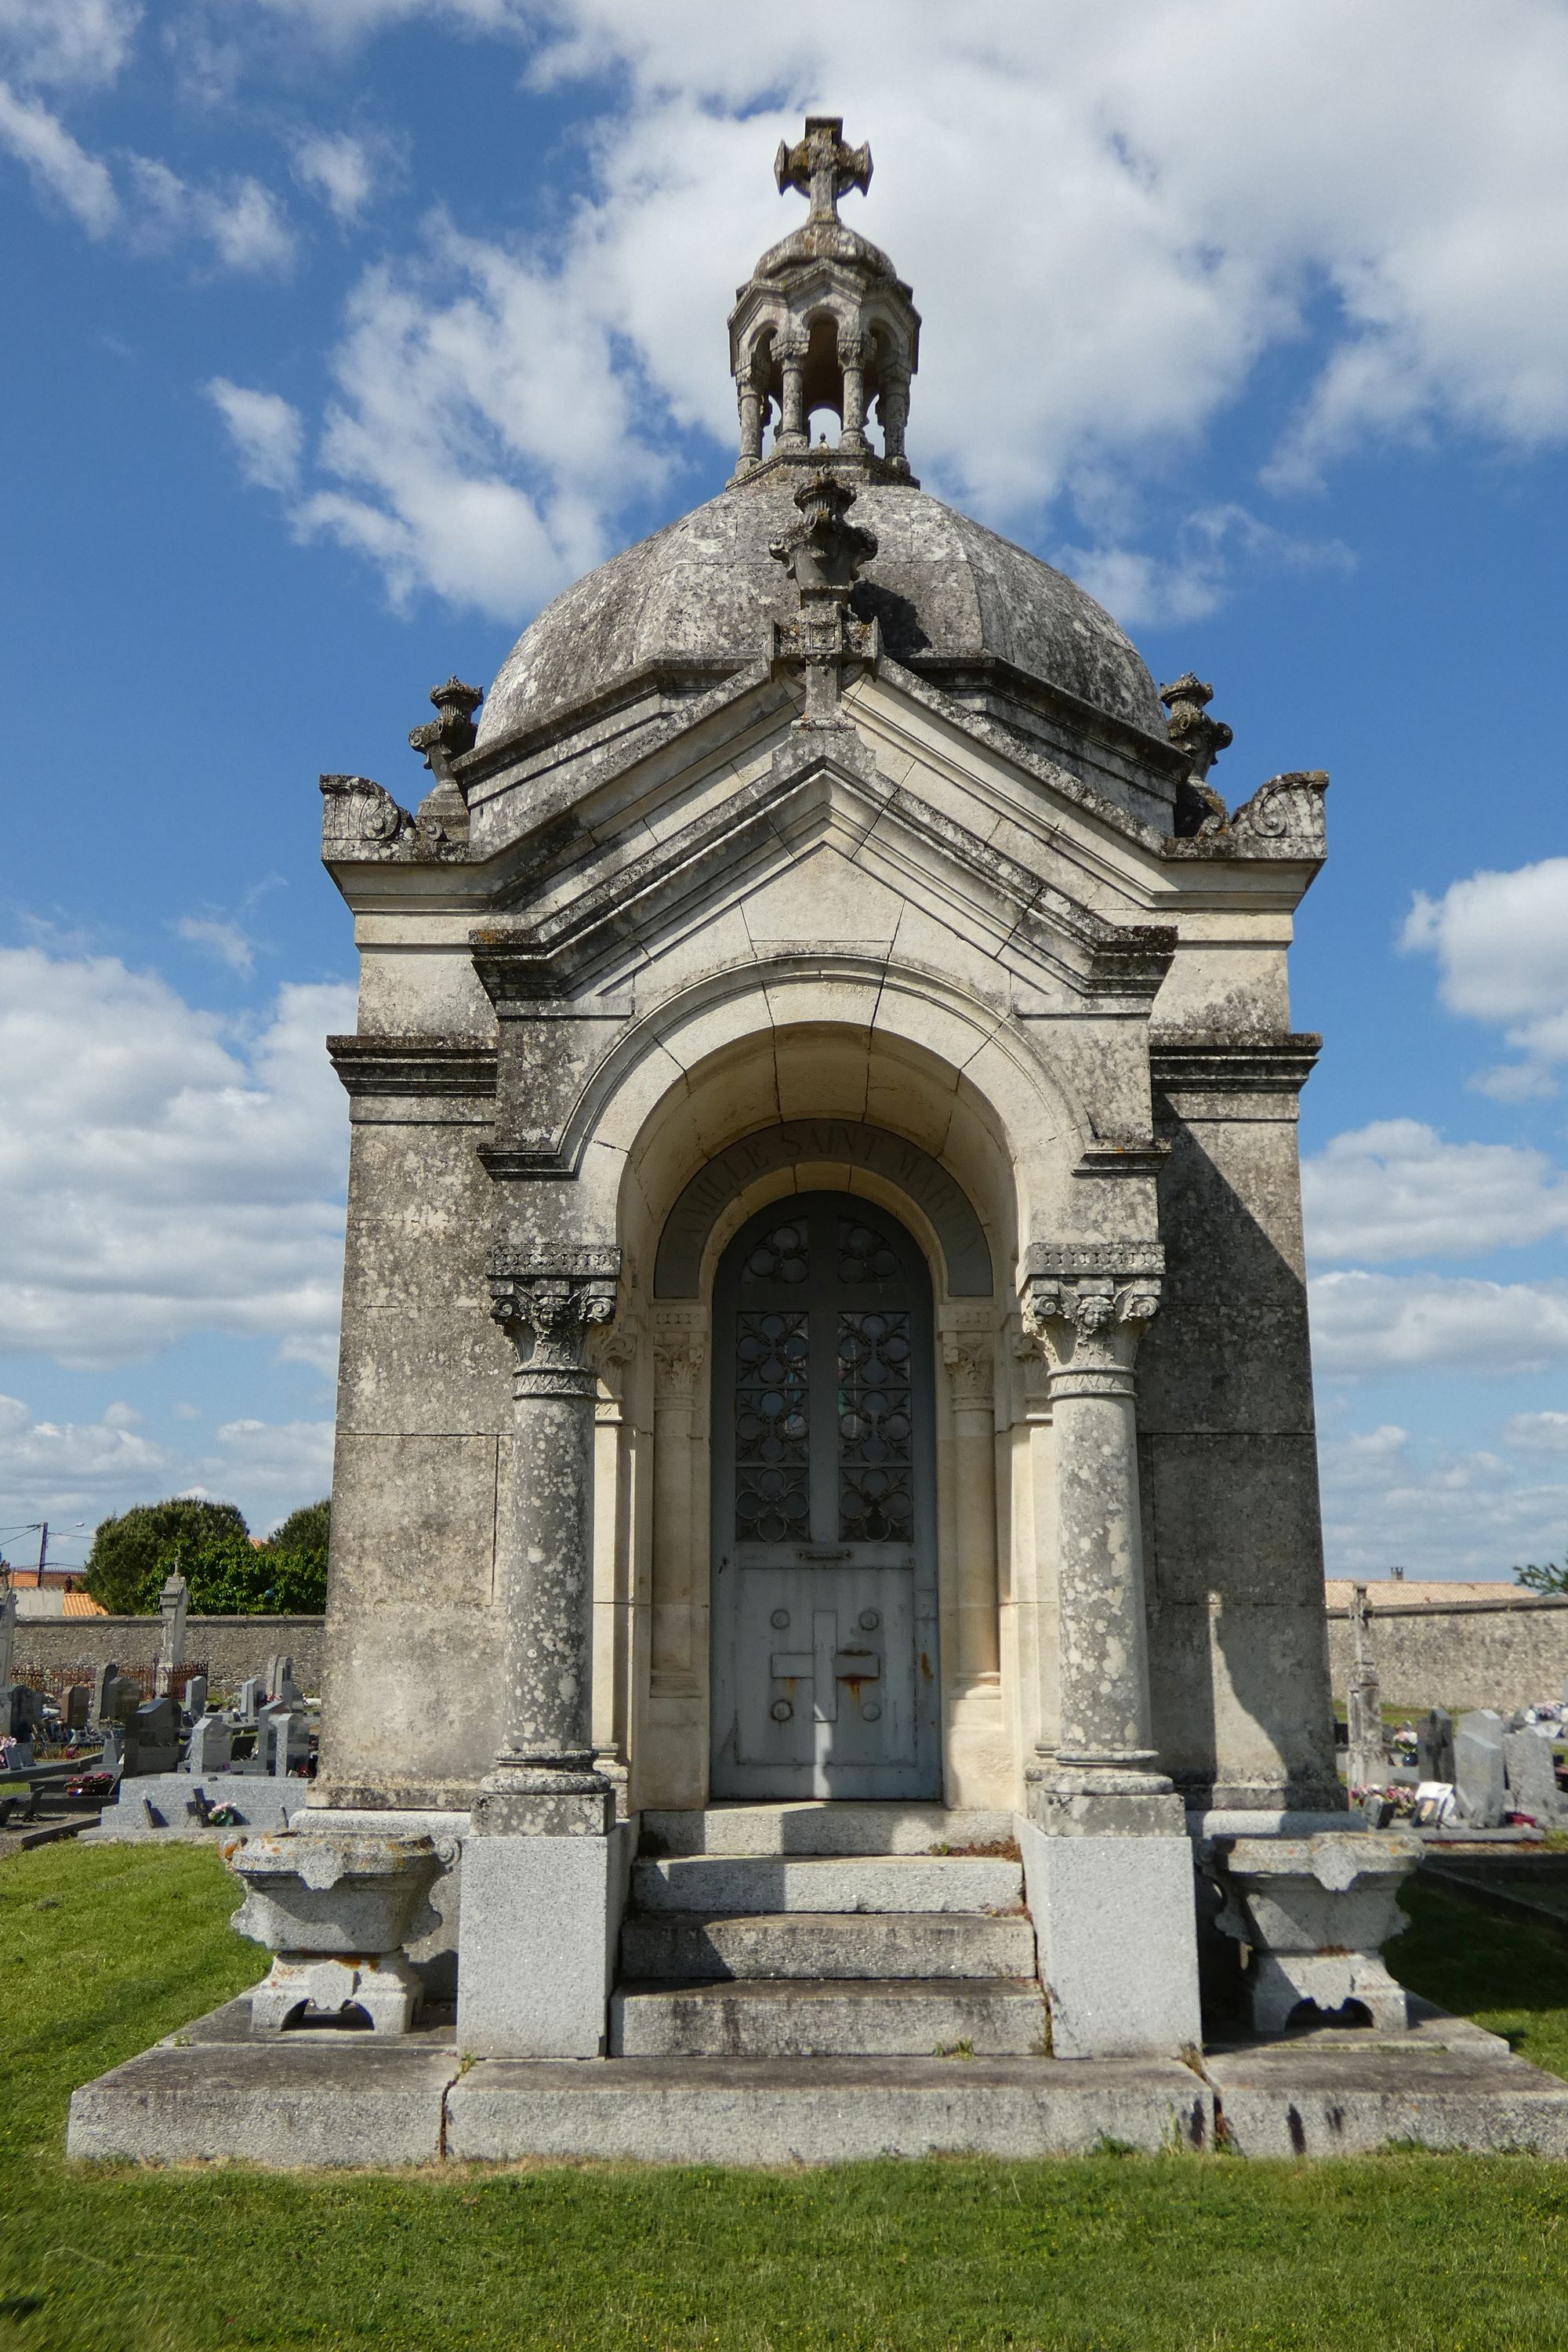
1504, 1653
233, 1647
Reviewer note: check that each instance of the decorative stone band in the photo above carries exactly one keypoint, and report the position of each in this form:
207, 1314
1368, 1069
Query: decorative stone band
552, 1299
1088, 1304
413, 1065
1232, 1061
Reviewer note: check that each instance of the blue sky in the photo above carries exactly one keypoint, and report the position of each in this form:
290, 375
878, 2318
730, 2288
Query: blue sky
345, 333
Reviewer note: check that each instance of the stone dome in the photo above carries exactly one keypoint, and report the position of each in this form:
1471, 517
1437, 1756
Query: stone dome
703, 591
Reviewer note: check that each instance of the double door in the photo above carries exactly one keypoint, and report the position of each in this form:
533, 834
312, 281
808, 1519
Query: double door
824, 1629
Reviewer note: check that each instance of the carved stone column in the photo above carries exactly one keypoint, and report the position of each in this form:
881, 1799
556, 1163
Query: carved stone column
1088, 1307
852, 360
544, 1782
970, 1358
790, 354
893, 408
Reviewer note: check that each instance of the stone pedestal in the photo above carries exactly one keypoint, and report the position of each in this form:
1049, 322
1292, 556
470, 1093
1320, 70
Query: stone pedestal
334, 1909
1116, 1922
541, 1921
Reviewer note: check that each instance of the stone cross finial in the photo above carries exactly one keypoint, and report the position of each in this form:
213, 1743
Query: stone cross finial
822, 167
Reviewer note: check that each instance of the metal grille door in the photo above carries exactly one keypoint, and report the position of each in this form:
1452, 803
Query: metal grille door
824, 1507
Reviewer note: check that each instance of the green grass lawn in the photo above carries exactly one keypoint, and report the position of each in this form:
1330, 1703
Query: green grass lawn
103, 1949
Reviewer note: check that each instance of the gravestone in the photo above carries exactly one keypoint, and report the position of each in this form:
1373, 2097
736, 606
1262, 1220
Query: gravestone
152, 1738
1367, 1763
194, 1701
1480, 1783
1435, 1745
77, 1711
173, 1602
102, 1682
280, 1683
211, 1748
249, 1698
1531, 1778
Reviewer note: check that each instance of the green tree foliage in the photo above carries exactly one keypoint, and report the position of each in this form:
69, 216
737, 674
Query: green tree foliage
306, 1529
229, 1576
1548, 1578
124, 1567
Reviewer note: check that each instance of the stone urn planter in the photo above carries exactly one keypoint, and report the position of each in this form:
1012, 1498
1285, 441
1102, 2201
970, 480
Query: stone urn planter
1317, 1911
334, 1908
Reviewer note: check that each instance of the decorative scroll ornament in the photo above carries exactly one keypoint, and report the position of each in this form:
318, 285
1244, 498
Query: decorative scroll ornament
553, 1299
1287, 813
361, 822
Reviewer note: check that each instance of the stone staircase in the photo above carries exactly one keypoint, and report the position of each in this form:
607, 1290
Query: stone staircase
827, 1931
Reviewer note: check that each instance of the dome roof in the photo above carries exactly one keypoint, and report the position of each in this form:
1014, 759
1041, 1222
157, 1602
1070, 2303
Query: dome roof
704, 590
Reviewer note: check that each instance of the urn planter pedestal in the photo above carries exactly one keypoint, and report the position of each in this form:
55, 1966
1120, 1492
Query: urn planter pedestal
335, 1910
1316, 1913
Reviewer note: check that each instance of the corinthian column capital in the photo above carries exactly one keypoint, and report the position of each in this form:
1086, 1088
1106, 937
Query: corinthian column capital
1087, 1304
547, 1301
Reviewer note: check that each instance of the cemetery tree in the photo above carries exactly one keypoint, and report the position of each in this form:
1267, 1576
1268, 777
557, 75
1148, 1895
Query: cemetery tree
235, 1576
304, 1530
132, 1554
1548, 1578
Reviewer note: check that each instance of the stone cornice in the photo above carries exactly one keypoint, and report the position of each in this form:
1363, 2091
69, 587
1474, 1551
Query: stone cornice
1120, 1261
413, 1064
1232, 1061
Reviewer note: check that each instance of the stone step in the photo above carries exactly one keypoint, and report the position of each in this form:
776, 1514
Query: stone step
714, 1882
806, 1944
907, 2016
815, 1827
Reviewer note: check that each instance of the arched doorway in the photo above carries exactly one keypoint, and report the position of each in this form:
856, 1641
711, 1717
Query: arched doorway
824, 1451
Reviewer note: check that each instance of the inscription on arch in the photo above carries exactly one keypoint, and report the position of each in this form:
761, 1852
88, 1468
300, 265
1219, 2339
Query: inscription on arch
679, 1267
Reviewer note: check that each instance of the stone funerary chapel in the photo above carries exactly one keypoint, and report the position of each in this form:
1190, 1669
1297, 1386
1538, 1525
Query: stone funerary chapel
824, 1366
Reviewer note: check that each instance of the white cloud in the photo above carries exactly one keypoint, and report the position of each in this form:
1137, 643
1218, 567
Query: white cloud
58, 44
1434, 1509
240, 220
38, 139
220, 937
341, 170
164, 1174
1364, 1324
1538, 1432
1502, 944
1396, 1190
81, 1472
1111, 216
267, 434
482, 429
1212, 547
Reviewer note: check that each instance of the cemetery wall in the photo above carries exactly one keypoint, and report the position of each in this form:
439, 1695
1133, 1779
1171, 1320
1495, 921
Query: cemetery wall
1460, 1654
232, 1647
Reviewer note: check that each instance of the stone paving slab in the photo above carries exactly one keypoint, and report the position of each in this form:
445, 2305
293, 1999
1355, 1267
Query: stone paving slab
822, 2110
1309, 2100
330, 2099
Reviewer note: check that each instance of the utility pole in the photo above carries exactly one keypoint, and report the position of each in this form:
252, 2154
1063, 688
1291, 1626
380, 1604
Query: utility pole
43, 1550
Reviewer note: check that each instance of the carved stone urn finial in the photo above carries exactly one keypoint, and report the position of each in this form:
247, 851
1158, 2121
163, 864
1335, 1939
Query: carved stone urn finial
821, 166
1199, 809
822, 554
446, 736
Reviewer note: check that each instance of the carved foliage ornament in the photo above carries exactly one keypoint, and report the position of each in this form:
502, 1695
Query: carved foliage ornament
556, 1296
1092, 1321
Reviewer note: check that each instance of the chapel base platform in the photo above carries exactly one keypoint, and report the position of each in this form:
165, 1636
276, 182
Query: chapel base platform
326, 2098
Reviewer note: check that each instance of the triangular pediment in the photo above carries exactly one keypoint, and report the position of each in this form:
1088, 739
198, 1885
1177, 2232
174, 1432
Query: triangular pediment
821, 799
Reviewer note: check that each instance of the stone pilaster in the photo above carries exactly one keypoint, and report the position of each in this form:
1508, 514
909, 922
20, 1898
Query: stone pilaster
544, 1781
1087, 1307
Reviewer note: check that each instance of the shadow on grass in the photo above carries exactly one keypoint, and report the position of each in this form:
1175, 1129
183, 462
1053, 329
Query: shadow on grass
1510, 1977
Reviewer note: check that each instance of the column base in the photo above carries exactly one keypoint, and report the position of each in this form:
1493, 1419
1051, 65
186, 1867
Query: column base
543, 1800
1069, 1799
